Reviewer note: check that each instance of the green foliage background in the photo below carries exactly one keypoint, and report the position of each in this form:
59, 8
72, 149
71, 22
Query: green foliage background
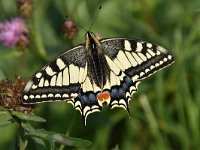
165, 112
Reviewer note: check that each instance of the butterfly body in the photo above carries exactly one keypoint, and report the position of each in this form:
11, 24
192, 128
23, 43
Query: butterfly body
106, 70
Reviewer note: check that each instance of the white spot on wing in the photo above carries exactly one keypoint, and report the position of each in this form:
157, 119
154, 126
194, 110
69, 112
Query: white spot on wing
107, 85
113, 67
41, 83
169, 57
60, 63
44, 96
53, 81
31, 96
37, 96
151, 52
46, 83
25, 97
34, 86
139, 47
121, 101
158, 53
152, 67
113, 80
65, 76
134, 78
74, 94
149, 45
141, 74
118, 64
148, 55
57, 95
50, 95
161, 49
95, 107
137, 58
123, 60
142, 56
88, 85
157, 64
74, 73
136, 84
132, 89
38, 75
59, 79
49, 71
65, 95
85, 110
96, 88
147, 70
28, 85
131, 59
127, 45
78, 103
80, 80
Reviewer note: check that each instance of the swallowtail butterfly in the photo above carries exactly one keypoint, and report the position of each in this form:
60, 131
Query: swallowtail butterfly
101, 70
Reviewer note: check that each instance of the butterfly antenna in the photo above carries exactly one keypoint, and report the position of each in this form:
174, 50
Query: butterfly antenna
95, 18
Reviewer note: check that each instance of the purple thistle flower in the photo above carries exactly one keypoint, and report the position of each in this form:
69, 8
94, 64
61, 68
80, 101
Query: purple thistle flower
14, 33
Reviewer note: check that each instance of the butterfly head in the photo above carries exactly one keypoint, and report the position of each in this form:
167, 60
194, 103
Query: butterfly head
91, 39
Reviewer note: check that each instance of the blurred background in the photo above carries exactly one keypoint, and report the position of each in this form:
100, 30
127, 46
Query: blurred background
165, 111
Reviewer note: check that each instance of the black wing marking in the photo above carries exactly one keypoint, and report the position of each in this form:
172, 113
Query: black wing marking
61, 79
131, 61
86, 102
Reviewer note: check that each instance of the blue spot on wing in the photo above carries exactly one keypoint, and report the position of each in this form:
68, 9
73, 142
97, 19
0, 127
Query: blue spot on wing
87, 99
118, 92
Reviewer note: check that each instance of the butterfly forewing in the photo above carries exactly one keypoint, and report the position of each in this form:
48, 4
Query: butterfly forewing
137, 59
130, 61
61, 79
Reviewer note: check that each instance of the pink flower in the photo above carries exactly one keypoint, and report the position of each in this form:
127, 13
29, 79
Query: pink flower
14, 33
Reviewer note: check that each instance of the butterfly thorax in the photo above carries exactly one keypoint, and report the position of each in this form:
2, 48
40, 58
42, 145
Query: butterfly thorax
96, 60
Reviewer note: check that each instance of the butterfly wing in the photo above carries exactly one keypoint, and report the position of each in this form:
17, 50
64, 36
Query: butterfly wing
130, 61
68, 77
61, 79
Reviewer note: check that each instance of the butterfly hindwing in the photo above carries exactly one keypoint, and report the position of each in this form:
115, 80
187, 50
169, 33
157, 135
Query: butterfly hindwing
86, 102
61, 79
130, 61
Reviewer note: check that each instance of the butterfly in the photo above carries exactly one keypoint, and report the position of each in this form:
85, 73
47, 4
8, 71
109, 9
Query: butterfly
101, 70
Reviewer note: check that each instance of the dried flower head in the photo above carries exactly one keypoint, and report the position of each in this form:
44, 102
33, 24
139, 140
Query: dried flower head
14, 33
10, 95
25, 7
69, 29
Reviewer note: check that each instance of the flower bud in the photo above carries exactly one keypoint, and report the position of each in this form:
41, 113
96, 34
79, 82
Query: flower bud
25, 7
69, 29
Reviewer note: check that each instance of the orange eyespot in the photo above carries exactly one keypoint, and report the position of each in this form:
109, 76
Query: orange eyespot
103, 96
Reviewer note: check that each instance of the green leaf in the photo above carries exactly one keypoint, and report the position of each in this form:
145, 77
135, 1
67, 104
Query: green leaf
39, 143
29, 117
5, 123
54, 137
